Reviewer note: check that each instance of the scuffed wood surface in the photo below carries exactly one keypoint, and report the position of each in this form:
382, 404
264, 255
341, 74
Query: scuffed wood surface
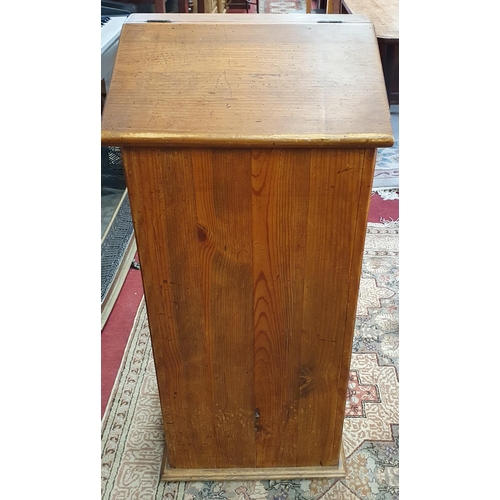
244, 84
254, 474
251, 261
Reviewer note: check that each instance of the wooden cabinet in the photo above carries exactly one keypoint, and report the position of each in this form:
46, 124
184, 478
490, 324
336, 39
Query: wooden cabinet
249, 146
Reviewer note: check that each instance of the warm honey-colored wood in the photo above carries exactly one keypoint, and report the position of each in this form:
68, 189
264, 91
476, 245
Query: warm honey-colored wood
251, 262
249, 197
234, 85
340, 183
384, 14
306, 277
193, 229
224, 233
299, 18
280, 200
254, 474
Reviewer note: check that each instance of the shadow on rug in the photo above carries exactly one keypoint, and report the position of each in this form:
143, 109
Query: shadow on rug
132, 432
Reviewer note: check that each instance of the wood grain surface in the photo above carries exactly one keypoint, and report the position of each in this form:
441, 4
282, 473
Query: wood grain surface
384, 14
254, 474
249, 146
227, 84
262, 18
251, 263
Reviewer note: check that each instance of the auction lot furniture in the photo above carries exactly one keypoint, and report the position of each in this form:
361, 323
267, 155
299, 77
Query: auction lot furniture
249, 152
384, 14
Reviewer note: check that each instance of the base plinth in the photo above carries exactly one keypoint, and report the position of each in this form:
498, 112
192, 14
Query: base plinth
254, 474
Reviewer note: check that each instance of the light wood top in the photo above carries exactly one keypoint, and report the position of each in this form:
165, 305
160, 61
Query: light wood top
384, 14
260, 19
219, 80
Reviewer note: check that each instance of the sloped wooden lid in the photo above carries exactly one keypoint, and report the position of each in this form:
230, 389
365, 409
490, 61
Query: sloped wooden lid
267, 80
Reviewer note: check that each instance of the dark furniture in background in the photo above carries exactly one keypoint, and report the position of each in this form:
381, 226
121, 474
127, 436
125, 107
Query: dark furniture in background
384, 14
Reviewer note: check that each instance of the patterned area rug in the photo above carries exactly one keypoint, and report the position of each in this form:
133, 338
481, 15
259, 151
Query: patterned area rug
386, 176
132, 434
284, 6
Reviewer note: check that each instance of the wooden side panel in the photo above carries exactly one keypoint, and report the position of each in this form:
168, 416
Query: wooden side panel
192, 212
309, 220
280, 186
223, 206
340, 183
251, 262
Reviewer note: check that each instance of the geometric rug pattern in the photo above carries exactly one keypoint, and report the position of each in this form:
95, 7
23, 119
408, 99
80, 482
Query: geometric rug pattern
132, 432
386, 175
283, 6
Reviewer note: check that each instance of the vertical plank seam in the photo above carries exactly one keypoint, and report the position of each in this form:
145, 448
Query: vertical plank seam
254, 391
252, 298
306, 238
